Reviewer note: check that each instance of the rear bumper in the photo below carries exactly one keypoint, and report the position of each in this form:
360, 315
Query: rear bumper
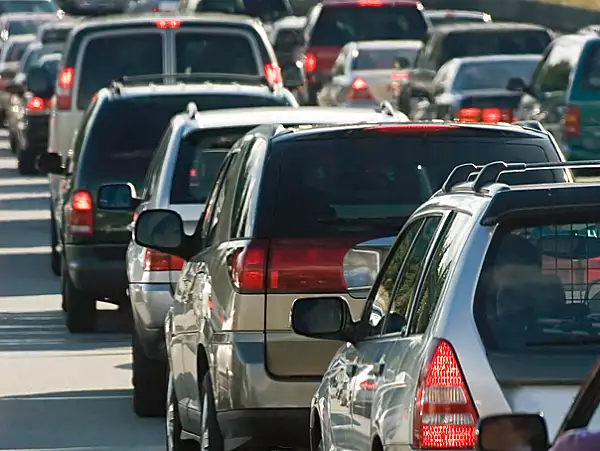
34, 134
93, 273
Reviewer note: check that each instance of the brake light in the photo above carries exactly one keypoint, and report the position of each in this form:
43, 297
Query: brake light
273, 74
246, 267
35, 104
167, 24
65, 85
157, 261
571, 121
370, 3
444, 414
488, 115
155, 9
310, 63
413, 128
81, 218
359, 90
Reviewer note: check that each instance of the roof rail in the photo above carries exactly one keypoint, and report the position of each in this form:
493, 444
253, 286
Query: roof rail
531, 125
191, 110
386, 107
458, 175
259, 80
492, 171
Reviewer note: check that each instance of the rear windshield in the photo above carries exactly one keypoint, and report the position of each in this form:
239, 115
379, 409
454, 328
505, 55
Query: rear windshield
339, 25
492, 75
15, 51
125, 133
24, 26
198, 160
287, 39
55, 35
51, 66
31, 57
218, 53
589, 77
382, 180
29, 6
266, 10
496, 42
108, 58
382, 58
539, 289
449, 19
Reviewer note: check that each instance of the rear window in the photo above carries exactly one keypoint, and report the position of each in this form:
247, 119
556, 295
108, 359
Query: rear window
266, 10
51, 66
108, 58
589, 76
125, 133
382, 180
24, 26
15, 51
198, 161
539, 289
31, 58
492, 75
382, 58
217, 53
287, 39
30, 6
55, 35
336, 26
496, 42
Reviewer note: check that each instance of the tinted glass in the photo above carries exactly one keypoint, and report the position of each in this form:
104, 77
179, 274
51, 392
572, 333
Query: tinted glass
125, 133
108, 58
32, 57
371, 184
24, 26
16, 51
337, 26
445, 20
27, 7
287, 39
198, 161
266, 10
494, 42
492, 75
382, 58
589, 78
55, 35
51, 67
214, 53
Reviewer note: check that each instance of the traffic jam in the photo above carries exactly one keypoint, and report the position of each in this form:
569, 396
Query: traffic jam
372, 227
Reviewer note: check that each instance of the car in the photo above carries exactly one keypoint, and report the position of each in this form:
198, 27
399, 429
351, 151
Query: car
451, 16
294, 212
15, 24
364, 72
267, 11
477, 89
180, 177
155, 6
461, 40
103, 49
10, 57
29, 117
286, 38
55, 32
485, 314
590, 29
331, 24
29, 6
116, 141
93, 8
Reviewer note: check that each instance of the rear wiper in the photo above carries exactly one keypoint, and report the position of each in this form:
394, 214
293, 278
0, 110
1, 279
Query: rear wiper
557, 342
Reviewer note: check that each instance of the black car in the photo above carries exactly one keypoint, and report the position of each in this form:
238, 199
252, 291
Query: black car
118, 135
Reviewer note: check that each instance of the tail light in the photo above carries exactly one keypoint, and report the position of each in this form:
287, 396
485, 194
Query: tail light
359, 90
273, 74
310, 63
65, 87
571, 121
444, 414
37, 105
157, 261
247, 267
155, 9
488, 115
167, 24
81, 219
399, 76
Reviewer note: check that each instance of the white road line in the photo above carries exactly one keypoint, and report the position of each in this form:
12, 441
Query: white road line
63, 398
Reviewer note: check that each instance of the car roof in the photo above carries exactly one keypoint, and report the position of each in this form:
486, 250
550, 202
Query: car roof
29, 16
49, 57
143, 90
496, 58
54, 24
290, 22
492, 26
454, 12
238, 117
358, 2
387, 44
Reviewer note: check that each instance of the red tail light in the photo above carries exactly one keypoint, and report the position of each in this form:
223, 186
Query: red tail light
82, 216
157, 261
155, 9
488, 115
310, 63
167, 24
35, 104
571, 121
370, 3
359, 90
65, 86
399, 76
273, 74
444, 414
247, 267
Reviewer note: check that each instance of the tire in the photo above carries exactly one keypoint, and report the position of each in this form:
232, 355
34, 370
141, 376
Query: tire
149, 382
173, 423
25, 163
210, 438
55, 259
81, 308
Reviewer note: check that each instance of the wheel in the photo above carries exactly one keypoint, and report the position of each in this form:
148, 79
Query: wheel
210, 438
55, 262
173, 423
25, 162
81, 308
149, 382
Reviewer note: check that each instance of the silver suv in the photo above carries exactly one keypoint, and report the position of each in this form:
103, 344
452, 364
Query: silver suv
491, 301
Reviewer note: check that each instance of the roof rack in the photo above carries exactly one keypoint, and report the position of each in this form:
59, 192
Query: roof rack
259, 80
460, 174
386, 107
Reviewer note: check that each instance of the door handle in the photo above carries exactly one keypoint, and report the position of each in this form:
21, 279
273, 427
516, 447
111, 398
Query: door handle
351, 370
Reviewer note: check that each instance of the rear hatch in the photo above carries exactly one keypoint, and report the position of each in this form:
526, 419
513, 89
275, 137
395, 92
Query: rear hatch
337, 191
487, 105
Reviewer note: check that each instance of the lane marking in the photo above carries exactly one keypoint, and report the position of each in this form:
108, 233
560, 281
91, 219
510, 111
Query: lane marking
63, 398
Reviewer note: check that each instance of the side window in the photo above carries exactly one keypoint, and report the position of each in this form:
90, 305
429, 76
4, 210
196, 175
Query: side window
81, 131
242, 186
555, 74
409, 277
383, 296
443, 261
155, 166
441, 79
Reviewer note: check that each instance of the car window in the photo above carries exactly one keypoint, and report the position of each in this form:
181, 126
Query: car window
287, 39
51, 66
55, 35
199, 158
217, 53
32, 57
408, 278
29, 6
15, 52
492, 74
589, 76
440, 267
379, 308
369, 59
558, 66
336, 26
24, 26
108, 58
149, 187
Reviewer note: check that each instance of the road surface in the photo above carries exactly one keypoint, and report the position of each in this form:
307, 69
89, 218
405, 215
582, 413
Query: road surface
57, 391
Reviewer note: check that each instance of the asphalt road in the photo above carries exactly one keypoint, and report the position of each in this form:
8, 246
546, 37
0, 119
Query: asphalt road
57, 391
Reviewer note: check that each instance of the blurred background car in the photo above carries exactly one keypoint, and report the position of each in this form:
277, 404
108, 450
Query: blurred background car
15, 24
286, 39
10, 58
451, 16
55, 31
29, 6
155, 6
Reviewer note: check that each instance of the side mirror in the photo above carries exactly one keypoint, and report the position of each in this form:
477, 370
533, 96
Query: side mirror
39, 82
327, 318
512, 432
14, 88
516, 84
162, 230
118, 196
50, 163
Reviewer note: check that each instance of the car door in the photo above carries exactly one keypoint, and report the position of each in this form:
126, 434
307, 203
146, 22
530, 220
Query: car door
391, 342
